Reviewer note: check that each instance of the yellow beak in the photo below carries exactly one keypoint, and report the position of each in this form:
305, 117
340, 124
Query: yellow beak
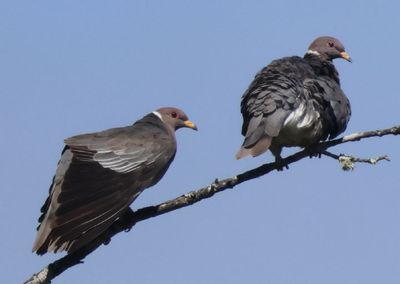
190, 124
345, 56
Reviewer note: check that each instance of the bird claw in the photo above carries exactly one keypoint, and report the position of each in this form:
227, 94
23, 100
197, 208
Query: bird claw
314, 151
315, 155
281, 168
107, 241
280, 165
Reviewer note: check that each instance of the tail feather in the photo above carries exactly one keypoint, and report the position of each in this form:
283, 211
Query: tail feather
260, 147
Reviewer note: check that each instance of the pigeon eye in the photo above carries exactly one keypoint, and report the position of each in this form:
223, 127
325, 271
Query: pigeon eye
331, 44
174, 115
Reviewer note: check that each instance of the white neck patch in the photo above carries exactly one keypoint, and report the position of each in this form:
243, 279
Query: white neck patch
156, 113
313, 52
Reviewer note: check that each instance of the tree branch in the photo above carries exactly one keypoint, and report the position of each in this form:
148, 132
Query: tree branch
130, 218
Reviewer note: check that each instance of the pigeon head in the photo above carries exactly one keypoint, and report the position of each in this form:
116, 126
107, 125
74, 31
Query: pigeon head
175, 118
328, 48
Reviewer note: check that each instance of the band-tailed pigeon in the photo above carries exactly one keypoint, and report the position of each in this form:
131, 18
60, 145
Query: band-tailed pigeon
100, 174
295, 101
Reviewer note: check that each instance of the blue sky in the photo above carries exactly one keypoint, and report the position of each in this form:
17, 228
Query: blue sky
70, 67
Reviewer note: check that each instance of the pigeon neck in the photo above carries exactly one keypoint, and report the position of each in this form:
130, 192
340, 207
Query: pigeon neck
156, 113
322, 67
310, 51
166, 126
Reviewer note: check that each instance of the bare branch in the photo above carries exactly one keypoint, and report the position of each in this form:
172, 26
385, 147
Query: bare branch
130, 218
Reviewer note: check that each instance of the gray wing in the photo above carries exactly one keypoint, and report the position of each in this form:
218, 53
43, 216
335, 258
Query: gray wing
98, 177
274, 93
332, 104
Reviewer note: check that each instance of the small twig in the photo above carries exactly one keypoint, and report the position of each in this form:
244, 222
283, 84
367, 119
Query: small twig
130, 218
371, 161
347, 162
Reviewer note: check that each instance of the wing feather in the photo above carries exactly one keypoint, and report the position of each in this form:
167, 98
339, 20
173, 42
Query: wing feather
99, 175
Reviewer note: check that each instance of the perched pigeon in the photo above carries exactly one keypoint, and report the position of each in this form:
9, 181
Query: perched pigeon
295, 101
100, 174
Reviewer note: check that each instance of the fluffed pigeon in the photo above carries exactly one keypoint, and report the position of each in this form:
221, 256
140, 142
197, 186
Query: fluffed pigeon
295, 101
100, 174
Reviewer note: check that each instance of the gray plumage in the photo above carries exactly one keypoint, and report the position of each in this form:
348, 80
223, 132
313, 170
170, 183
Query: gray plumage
100, 174
295, 101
